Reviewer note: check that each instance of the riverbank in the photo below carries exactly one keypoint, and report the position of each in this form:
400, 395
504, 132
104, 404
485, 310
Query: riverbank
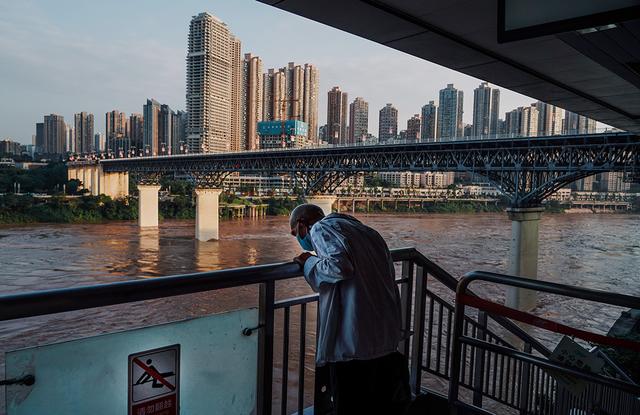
450, 206
25, 209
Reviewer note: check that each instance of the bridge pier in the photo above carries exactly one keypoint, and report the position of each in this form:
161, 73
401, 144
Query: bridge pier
324, 201
523, 258
207, 214
94, 181
148, 205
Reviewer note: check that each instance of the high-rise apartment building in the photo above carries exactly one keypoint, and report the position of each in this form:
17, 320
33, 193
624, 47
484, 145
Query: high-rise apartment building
337, 116
252, 110
578, 124
450, 112
166, 125
210, 63
55, 134
522, 121
10, 147
486, 107
151, 127
158, 128
39, 141
358, 120
294, 91
83, 126
237, 133
274, 95
613, 182
136, 131
179, 136
310, 100
584, 185
428, 127
98, 142
413, 128
549, 119
115, 130
291, 93
529, 121
512, 122
267, 95
388, 123
70, 139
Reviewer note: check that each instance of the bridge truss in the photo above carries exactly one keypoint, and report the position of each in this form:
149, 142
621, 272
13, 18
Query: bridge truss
527, 170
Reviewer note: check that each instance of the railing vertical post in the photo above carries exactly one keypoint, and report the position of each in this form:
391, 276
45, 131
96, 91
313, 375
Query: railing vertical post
418, 329
405, 300
524, 383
265, 348
456, 353
478, 370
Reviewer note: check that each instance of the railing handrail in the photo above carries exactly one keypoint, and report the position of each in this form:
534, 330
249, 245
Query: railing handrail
607, 297
451, 282
37, 303
464, 298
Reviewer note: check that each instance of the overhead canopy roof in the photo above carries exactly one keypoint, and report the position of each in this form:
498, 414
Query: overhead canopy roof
592, 72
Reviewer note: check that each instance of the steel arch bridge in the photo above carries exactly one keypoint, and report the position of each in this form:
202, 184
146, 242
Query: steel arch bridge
526, 169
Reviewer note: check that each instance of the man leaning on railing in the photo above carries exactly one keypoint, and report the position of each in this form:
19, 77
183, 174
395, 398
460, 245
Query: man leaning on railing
358, 367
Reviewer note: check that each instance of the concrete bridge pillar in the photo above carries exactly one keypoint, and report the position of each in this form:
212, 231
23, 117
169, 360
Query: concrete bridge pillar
72, 173
324, 201
148, 205
207, 214
94, 181
85, 183
123, 184
523, 258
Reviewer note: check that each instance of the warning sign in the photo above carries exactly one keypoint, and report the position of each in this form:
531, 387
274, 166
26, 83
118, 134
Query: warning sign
154, 377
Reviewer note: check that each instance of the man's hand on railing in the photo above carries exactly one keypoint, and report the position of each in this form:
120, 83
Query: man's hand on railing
302, 258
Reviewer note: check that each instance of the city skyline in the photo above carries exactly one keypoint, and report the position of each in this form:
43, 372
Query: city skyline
408, 83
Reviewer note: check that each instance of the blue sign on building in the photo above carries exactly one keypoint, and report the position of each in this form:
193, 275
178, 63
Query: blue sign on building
291, 127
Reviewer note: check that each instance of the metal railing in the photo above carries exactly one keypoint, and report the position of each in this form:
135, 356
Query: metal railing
428, 316
526, 381
112, 154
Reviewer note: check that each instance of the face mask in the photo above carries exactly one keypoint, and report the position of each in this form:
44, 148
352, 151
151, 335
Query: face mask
305, 242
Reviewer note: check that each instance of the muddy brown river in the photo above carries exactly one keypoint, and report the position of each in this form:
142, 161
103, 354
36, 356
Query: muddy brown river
594, 251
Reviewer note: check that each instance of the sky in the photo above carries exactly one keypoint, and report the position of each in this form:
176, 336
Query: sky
68, 56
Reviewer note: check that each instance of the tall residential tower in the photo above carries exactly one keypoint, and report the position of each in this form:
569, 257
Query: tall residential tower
209, 84
84, 140
388, 123
252, 110
337, 116
486, 107
450, 123
358, 120
428, 127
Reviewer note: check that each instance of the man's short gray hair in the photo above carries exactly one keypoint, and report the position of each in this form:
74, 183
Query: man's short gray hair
307, 212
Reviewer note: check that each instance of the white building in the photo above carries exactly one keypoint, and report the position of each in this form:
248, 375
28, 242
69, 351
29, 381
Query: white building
562, 195
480, 190
259, 184
437, 180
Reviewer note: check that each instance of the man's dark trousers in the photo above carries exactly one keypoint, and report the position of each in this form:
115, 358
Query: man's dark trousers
377, 386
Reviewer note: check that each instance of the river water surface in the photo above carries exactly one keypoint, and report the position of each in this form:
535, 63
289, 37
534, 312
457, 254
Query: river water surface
593, 251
